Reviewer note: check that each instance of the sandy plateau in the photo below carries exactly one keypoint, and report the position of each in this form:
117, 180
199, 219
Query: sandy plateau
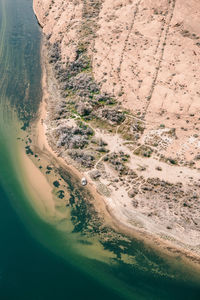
123, 101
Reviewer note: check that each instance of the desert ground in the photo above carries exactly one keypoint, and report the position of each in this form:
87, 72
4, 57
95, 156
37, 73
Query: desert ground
123, 104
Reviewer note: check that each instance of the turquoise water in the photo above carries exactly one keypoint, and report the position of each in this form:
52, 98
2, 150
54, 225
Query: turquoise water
38, 260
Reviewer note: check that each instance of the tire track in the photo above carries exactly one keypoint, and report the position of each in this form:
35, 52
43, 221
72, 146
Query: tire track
127, 39
170, 14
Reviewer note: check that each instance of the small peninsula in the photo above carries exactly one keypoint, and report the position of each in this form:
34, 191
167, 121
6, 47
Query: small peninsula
121, 106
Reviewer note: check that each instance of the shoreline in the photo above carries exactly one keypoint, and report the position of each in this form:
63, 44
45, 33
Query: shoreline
139, 184
166, 248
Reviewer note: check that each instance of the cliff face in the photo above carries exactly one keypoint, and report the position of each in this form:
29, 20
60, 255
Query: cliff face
129, 104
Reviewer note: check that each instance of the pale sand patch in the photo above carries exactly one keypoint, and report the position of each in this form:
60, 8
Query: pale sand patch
39, 188
43, 201
41, 191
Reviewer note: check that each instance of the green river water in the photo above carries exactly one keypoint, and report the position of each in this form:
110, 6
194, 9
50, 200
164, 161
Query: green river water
40, 257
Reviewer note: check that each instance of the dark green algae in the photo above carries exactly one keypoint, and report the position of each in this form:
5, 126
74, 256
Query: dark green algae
34, 263
146, 267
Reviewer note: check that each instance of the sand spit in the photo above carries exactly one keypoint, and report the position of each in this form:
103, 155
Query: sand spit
120, 107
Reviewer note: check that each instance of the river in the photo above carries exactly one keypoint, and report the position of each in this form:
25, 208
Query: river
40, 256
